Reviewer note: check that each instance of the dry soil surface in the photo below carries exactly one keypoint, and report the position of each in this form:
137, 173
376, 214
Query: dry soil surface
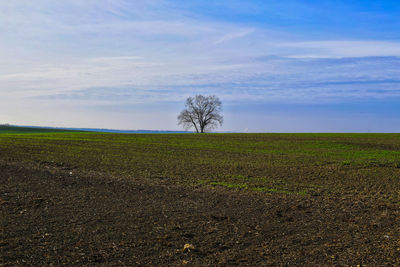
54, 217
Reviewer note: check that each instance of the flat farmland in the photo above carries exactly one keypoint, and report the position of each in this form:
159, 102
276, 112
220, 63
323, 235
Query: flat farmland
232, 199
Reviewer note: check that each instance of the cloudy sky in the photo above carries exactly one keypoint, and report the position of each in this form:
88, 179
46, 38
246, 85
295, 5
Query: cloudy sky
277, 66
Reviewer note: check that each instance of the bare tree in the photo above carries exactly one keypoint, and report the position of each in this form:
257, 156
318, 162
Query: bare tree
202, 113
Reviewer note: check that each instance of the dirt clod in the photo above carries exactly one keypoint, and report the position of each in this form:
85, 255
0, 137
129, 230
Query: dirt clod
188, 247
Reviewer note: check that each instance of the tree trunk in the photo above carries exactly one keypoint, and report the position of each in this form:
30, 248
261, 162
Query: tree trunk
195, 126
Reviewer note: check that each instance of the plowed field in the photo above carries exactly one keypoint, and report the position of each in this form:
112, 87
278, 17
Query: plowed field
198, 200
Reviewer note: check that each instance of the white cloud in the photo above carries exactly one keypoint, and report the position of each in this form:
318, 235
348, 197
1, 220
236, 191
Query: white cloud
324, 49
234, 35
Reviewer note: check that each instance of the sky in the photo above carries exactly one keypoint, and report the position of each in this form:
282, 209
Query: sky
277, 66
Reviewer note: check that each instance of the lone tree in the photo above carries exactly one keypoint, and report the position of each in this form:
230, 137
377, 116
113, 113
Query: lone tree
202, 113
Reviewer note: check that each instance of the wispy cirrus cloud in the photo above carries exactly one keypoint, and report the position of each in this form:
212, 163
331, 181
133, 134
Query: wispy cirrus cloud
234, 35
268, 80
343, 48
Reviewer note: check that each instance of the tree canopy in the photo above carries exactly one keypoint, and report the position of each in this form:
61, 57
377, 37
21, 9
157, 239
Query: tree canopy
203, 113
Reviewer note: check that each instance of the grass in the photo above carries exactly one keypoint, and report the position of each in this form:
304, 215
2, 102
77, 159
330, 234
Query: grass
303, 164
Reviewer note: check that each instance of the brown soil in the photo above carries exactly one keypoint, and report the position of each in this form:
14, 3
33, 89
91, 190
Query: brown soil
52, 217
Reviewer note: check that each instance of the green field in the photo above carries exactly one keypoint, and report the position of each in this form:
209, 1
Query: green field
81, 198
364, 165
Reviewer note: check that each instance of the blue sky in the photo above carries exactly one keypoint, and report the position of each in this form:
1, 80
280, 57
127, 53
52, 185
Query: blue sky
277, 66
